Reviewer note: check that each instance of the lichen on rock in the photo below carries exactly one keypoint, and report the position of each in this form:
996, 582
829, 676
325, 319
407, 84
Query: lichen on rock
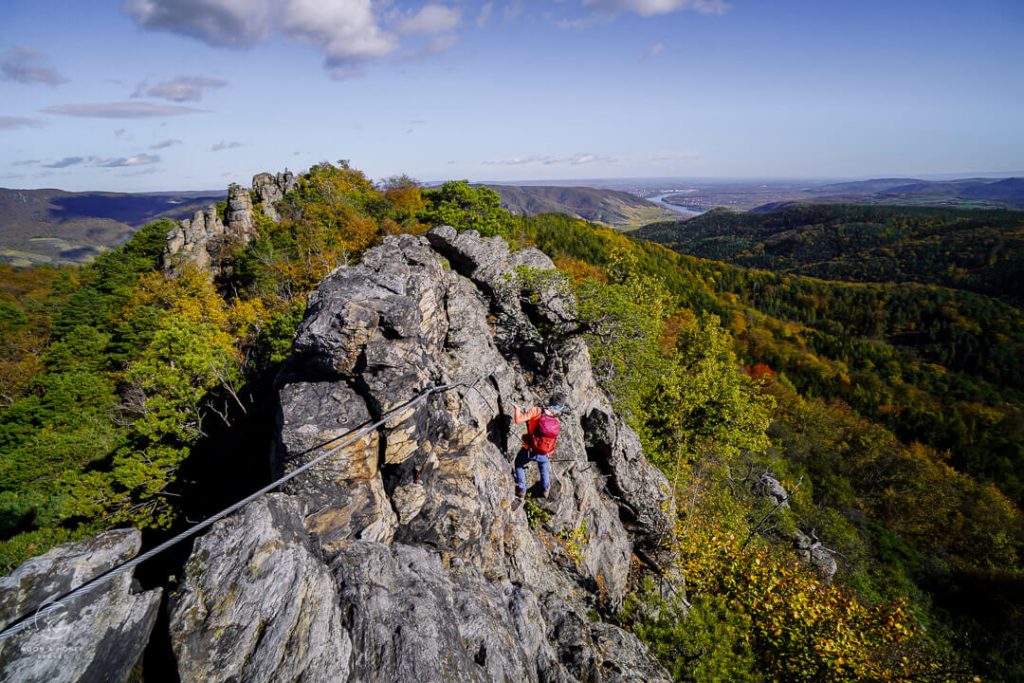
404, 555
438, 575
99, 635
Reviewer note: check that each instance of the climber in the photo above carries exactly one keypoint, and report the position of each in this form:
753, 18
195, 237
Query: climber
542, 428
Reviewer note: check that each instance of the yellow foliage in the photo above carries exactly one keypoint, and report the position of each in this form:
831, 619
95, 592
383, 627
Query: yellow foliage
189, 295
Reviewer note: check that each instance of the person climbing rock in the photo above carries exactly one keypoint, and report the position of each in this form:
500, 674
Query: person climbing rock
539, 441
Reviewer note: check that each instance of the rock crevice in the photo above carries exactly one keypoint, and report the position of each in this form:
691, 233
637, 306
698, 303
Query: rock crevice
404, 555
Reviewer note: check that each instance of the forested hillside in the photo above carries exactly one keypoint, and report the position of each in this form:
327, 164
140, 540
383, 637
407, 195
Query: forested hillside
980, 251
845, 457
57, 227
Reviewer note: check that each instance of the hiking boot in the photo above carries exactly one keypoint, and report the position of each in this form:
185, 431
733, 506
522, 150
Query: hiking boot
520, 493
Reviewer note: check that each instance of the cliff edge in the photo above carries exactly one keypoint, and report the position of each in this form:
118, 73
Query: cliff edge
403, 556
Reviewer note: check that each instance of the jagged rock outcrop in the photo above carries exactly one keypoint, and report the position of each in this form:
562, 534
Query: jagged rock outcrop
199, 241
205, 241
240, 226
286, 623
271, 189
808, 548
770, 487
811, 550
406, 546
97, 636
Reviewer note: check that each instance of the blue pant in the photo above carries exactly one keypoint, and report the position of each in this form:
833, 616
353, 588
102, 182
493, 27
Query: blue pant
542, 464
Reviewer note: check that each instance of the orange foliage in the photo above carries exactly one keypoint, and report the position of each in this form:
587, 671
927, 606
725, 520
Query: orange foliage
578, 269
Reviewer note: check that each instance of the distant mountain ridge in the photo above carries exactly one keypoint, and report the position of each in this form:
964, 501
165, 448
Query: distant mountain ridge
976, 250
614, 208
963, 192
54, 226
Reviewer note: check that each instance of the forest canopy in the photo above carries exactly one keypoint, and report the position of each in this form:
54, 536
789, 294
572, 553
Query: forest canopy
889, 417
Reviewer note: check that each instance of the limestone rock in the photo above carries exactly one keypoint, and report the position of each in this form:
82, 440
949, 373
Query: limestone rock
97, 636
240, 225
206, 242
199, 241
811, 550
770, 487
436, 574
258, 605
271, 189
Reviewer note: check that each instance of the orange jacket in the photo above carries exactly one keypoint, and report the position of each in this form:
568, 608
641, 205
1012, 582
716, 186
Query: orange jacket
519, 418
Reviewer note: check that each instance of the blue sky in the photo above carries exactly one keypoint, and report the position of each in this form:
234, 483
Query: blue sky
193, 94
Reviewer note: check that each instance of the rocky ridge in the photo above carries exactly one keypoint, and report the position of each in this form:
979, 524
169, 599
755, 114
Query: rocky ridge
403, 556
434, 574
97, 636
205, 239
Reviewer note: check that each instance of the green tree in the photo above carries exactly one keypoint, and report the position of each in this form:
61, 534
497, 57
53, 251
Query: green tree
465, 207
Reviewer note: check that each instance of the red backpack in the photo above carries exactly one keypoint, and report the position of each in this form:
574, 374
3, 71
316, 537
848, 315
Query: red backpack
542, 433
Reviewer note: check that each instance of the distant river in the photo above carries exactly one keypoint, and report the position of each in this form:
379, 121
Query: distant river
660, 201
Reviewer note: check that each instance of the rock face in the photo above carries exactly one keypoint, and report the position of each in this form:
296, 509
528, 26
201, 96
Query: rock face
97, 636
205, 241
271, 189
402, 556
285, 625
810, 549
240, 226
199, 241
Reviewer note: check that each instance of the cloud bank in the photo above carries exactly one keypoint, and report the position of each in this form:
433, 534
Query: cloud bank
580, 159
349, 33
180, 89
649, 8
119, 162
127, 162
25, 65
15, 122
120, 110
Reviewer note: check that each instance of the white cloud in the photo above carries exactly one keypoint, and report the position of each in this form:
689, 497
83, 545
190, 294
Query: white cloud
350, 33
127, 162
230, 23
649, 8
516, 161
25, 65
120, 110
66, 161
345, 30
431, 19
180, 88
13, 122
580, 159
